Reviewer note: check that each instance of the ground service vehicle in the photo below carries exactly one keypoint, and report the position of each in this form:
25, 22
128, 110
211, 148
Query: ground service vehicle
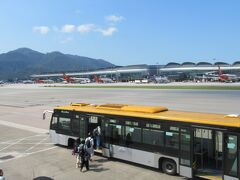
190, 144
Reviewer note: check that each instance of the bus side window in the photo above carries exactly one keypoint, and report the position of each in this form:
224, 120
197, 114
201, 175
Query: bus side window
153, 137
172, 138
54, 122
132, 134
115, 133
112, 131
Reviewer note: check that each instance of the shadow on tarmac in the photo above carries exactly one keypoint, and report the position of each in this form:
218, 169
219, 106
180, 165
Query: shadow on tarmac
97, 167
43, 178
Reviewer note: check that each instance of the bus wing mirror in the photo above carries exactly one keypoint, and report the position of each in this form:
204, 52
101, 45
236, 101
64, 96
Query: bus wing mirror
44, 113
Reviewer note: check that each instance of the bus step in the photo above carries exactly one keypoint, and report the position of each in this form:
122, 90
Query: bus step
210, 177
98, 151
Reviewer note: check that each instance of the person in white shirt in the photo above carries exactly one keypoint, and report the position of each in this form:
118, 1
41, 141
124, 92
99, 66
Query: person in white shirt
89, 144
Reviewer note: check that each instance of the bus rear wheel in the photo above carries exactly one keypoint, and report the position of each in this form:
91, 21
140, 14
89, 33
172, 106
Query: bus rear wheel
169, 167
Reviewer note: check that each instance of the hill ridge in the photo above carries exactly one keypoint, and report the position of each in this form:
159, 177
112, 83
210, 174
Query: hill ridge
22, 62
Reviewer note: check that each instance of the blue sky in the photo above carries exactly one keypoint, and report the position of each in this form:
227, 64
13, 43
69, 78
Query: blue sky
125, 32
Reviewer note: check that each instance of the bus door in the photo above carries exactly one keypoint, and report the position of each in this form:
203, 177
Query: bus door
93, 122
185, 158
208, 153
105, 138
231, 156
79, 125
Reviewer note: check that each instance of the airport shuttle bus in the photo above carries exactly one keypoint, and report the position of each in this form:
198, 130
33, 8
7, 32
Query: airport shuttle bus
190, 144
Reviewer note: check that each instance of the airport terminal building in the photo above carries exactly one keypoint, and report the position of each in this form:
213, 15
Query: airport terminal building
173, 71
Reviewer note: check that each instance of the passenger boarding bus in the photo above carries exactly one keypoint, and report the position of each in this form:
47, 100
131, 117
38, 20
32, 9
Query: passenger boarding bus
190, 144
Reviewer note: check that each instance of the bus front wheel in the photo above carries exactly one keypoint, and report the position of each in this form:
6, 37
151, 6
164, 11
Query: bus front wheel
169, 167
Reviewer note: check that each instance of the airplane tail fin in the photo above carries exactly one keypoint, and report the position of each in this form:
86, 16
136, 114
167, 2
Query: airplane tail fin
66, 77
38, 81
219, 71
97, 79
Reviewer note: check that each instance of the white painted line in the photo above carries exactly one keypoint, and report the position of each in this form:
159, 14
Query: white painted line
14, 143
27, 154
37, 144
41, 150
24, 127
10, 145
13, 140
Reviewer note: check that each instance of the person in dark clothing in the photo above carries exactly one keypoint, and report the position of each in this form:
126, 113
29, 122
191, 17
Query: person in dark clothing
84, 156
128, 139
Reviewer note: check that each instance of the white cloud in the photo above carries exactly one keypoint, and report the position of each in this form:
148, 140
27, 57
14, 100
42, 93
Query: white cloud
68, 28
85, 28
41, 29
82, 28
114, 18
66, 40
107, 32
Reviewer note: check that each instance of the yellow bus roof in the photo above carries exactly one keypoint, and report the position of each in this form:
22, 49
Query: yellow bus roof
156, 112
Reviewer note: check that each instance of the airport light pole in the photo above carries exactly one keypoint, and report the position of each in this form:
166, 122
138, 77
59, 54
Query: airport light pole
157, 68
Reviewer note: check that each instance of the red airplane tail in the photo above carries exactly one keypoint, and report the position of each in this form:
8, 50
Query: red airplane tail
219, 71
66, 77
39, 81
97, 79
221, 76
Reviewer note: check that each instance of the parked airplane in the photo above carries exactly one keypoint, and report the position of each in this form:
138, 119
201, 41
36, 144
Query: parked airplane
102, 80
44, 81
143, 81
161, 79
226, 77
211, 76
28, 82
218, 76
69, 79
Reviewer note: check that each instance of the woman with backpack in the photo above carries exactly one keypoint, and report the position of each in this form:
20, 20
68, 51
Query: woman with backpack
84, 156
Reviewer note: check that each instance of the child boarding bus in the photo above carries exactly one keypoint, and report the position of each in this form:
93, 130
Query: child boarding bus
190, 144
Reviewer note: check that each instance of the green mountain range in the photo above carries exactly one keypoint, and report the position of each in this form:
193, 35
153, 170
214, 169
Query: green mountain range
23, 62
